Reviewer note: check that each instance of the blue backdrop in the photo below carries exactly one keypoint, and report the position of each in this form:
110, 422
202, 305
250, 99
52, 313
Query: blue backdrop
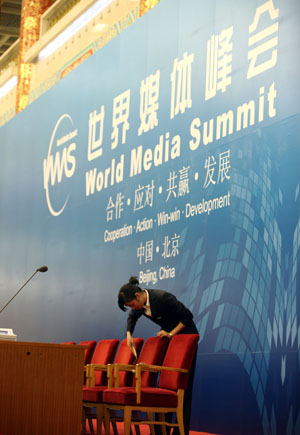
171, 154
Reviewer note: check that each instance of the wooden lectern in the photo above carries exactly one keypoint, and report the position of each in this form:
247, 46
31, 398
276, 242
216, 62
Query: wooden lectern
40, 388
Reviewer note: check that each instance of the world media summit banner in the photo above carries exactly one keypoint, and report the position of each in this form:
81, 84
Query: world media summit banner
171, 154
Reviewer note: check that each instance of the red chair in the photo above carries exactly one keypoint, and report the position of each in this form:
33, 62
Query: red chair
88, 353
167, 397
92, 393
104, 354
153, 352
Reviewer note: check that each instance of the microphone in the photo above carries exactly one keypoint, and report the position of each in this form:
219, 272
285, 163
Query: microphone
40, 269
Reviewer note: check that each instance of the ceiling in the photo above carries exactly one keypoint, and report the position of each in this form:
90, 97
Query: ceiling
10, 17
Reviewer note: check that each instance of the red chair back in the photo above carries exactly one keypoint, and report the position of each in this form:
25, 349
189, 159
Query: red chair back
104, 353
125, 356
88, 352
180, 354
153, 352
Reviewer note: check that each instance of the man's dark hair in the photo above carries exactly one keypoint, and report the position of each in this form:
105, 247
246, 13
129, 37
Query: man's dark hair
127, 292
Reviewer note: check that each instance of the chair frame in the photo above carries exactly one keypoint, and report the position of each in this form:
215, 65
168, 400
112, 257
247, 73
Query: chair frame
89, 372
149, 410
90, 375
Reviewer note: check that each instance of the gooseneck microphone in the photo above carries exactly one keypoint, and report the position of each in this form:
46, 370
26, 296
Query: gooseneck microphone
40, 269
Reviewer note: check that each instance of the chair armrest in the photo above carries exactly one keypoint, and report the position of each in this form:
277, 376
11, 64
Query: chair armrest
141, 367
123, 367
90, 372
98, 367
154, 368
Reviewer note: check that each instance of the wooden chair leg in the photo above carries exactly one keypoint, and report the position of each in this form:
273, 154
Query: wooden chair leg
127, 420
161, 417
114, 426
90, 420
100, 415
83, 421
106, 420
151, 426
179, 416
179, 412
112, 419
135, 417
86, 416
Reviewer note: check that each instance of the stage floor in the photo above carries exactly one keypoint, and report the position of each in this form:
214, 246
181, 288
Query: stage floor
145, 430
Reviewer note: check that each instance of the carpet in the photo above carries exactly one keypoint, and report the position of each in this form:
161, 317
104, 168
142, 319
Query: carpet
144, 430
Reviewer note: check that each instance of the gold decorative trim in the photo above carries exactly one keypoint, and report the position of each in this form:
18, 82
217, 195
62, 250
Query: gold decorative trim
146, 5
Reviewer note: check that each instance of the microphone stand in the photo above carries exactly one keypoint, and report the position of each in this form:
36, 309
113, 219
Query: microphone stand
41, 269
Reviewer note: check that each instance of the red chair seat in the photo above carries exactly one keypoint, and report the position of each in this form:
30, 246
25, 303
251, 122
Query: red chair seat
150, 396
93, 394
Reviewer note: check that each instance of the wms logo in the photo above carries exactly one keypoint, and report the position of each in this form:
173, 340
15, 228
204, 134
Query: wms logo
60, 164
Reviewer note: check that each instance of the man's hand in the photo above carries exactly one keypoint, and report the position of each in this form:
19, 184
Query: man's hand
174, 331
130, 343
163, 333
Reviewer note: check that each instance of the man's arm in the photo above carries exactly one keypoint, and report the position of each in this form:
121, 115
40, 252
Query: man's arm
172, 305
174, 331
132, 318
130, 343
